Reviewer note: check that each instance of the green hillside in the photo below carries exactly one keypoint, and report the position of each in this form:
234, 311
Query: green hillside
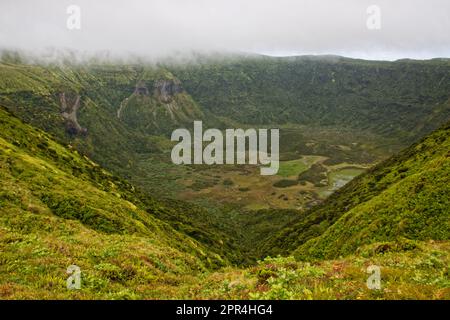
348, 111
407, 196
86, 179
403, 99
33, 93
59, 208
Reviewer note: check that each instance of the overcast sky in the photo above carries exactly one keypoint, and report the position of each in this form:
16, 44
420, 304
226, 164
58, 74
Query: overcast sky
154, 28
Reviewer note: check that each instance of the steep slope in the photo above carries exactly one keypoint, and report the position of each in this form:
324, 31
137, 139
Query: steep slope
59, 208
388, 98
119, 106
120, 116
45, 97
418, 270
158, 105
407, 196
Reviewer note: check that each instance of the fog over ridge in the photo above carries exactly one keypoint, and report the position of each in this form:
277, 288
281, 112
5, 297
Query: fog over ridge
158, 28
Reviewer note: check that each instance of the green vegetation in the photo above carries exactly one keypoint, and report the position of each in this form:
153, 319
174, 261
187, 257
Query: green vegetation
295, 167
402, 99
316, 175
405, 196
284, 183
109, 200
41, 176
418, 272
59, 208
338, 178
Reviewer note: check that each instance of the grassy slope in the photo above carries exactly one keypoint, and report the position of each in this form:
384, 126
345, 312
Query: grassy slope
31, 93
389, 98
59, 208
405, 196
413, 270
328, 93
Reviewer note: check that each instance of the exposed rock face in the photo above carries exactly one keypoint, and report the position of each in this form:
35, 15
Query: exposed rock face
141, 89
70, 115
157, 105
164, 90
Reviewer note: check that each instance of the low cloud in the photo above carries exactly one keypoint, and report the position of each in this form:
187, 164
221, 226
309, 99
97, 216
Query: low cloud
409, 28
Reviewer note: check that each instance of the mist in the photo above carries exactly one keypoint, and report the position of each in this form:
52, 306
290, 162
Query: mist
156, 29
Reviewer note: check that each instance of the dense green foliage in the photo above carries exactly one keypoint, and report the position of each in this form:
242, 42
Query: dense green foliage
409, 270
32, 93
39, 175
402, 98
139, 232
405, 196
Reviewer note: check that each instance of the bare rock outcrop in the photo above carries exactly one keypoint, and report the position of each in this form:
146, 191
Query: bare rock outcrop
69, 113
141, 89
164, 90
